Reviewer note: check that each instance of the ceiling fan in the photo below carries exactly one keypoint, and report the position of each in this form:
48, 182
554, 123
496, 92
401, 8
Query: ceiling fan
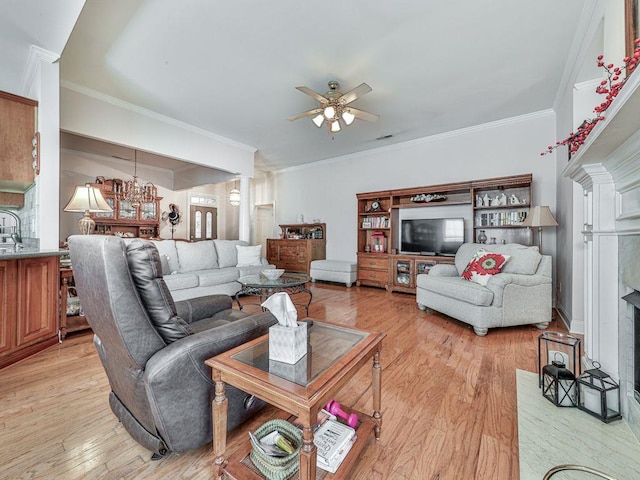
334, 105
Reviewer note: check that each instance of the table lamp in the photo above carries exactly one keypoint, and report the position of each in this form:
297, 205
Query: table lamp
540, 217
87, 199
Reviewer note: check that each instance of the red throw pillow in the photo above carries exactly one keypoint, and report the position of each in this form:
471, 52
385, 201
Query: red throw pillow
483, 266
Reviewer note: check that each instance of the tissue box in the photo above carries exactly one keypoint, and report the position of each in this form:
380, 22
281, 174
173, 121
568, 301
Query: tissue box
294, 372
287, 344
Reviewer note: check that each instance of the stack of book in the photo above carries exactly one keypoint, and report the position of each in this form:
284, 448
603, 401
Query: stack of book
333, 441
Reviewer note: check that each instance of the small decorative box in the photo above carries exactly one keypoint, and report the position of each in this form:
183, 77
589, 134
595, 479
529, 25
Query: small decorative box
288, 344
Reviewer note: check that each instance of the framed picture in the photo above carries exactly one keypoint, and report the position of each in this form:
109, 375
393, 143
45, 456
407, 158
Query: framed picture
631, 24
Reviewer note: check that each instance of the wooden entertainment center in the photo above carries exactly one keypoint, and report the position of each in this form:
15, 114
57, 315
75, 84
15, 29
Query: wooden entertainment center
498, 206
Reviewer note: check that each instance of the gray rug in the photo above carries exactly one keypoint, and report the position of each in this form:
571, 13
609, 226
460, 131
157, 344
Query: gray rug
550, 436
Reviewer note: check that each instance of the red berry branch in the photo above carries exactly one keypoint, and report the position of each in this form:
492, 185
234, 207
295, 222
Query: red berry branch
610, 87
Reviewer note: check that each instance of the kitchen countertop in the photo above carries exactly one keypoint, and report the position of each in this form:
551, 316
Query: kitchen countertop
8, 253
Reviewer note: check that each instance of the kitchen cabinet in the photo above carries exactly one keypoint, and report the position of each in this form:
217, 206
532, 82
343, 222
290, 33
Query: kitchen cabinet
28, 306
18, 117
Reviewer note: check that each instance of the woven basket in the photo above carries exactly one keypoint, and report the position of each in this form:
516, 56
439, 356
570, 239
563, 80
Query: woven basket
277, 468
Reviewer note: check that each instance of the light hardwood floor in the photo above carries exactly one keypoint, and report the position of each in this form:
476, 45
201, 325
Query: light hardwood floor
448, 402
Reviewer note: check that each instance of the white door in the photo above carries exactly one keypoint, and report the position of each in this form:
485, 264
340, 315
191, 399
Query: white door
264, 225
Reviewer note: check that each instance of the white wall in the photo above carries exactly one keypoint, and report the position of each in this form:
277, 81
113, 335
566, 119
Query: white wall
327, 190
601, 32
42, 83
94, 115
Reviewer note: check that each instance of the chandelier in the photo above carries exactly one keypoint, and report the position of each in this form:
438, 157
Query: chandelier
135, 193
234, 195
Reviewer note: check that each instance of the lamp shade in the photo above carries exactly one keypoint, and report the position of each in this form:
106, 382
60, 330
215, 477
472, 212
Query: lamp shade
87, 198
540, 217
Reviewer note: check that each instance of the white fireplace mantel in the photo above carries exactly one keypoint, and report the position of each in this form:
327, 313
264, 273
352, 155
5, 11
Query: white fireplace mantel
607, 167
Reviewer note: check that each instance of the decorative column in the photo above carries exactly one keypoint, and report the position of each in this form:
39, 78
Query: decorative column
244, 219
601, 267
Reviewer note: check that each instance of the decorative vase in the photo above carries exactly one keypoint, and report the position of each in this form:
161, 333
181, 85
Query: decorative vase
482, 237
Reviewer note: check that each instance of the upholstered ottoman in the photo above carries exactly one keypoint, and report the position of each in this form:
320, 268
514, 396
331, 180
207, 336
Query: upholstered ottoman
334, 271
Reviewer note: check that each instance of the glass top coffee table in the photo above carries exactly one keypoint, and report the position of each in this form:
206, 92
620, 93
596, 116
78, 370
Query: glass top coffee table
334, 355
263, 287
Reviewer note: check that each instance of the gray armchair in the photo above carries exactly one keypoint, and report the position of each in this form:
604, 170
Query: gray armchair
153, 349
519, 295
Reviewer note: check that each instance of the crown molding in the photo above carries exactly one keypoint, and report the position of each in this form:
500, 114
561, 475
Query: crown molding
423, 140
103, 97
32, 68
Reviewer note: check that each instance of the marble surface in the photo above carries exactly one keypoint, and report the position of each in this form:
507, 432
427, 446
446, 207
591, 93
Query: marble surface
549, 436
9, 253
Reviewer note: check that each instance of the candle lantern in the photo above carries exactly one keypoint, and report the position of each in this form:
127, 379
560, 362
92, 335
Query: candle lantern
559, 384
558, 347
599, 394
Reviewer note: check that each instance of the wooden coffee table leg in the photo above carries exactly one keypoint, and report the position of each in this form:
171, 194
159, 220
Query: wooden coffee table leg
219, 409
307, 453
376, 385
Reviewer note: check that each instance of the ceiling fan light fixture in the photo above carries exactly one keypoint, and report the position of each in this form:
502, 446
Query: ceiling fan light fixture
318, 120
329, 112
348, 117
334, 107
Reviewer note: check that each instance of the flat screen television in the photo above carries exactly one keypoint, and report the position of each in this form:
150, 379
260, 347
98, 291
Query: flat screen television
432, 236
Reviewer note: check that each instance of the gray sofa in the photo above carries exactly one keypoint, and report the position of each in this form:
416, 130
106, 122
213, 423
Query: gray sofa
520, 294
196, 269
153, 349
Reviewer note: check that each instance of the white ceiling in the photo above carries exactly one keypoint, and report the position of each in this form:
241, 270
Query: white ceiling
232, 67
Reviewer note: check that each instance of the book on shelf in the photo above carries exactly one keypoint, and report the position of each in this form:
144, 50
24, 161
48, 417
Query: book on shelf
333, 465
331, 440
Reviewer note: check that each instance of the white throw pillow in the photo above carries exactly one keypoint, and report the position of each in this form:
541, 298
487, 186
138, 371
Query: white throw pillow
249, 256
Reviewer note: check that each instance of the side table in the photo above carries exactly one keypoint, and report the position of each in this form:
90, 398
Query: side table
68, 323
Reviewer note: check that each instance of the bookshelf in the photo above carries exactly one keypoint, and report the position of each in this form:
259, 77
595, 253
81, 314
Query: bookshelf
497, 207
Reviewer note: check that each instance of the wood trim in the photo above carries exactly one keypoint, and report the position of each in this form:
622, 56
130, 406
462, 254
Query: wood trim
12, 199
631, 25
19, 99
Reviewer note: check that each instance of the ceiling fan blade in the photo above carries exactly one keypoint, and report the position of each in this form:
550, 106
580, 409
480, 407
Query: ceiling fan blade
362, 115
305, 114
313, 94
351, 95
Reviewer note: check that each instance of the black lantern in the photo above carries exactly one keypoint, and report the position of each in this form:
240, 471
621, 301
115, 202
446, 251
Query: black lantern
559, 384
556, 346
598, 394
